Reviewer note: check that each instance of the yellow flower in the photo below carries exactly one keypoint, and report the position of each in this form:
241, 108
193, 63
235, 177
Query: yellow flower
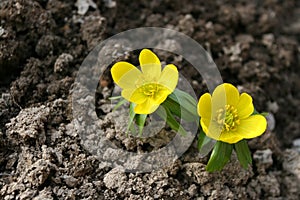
227, 116
147, 88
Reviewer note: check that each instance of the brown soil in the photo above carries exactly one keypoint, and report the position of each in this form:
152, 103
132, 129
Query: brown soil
255, 45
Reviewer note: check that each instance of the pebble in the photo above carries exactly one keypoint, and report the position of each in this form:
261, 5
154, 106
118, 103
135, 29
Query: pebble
63, 61
263, 158
296, 144
268, 40
273, 106
271, 122
83, 6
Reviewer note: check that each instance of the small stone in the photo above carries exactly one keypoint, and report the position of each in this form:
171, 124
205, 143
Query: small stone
234, 51
271, 121
2, 31
115, 178
273, 106
296, 144
83, 6
268, 40
192, 190
263, 158
186, 24
62, 62
70, 181
110, 3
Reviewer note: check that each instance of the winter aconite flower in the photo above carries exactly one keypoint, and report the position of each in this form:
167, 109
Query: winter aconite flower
149, 87
227, 116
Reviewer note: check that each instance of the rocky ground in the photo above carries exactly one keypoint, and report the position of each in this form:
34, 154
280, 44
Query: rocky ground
255, 45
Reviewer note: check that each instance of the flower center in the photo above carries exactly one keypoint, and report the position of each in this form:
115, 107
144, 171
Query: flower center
149, 89
227, 118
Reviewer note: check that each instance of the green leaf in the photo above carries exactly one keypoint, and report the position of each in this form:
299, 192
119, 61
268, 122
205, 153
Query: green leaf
264, 114
185, 96
174, 105
120, 103
202, 139
243, 153
205, 144
170, 120
131, 118
182, 105
257, 113
115, 98
219, 156
140, 121
186, 100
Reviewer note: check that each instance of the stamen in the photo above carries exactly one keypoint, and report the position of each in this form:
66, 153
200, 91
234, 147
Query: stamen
227, 118
149, 89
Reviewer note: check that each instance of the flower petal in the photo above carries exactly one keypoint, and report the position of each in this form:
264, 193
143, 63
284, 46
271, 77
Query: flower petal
205, 124
210, 128
225, 94
169, 77
214, 131
230, 137
252, 127
145, 108
125, 74
150, 65
161, 95
245, 106
204, 106
137, 97
127, 93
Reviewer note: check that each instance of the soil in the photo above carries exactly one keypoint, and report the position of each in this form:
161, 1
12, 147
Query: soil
255, 45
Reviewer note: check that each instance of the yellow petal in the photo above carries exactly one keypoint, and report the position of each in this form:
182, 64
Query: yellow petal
161, 95
125, 74
169, 77
245, 106
150, 65
127, 93
204, 106
230, 137
210, 128
138, 97
205, 124
145, 108
252, 127
225, 94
